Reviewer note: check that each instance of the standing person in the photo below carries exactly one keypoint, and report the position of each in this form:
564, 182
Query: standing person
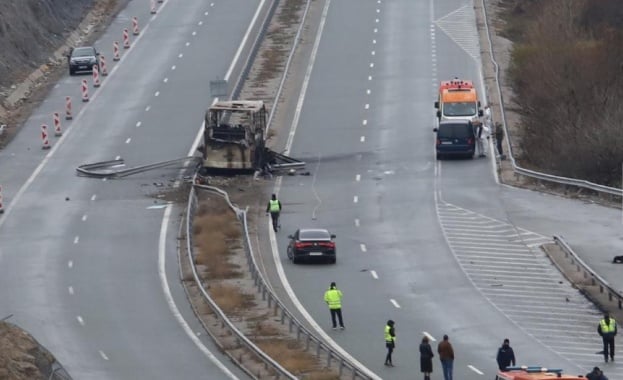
479, 135
596, 374
607, 329
390, 342
488, 116
274, 207
446, 355
506, 356
499, 137
333, 298
426, 358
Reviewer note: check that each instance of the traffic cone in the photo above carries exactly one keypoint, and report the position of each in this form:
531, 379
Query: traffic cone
57, 124
115, 51
103, 65
1, 205
153, 7
135, 30
68, 115
44, 137
126, 39
85, 91
96, 76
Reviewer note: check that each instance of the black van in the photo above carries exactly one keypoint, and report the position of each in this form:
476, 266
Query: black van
455, 138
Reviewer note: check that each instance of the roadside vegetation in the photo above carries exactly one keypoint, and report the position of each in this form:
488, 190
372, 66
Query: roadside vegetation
222, 266
567, 76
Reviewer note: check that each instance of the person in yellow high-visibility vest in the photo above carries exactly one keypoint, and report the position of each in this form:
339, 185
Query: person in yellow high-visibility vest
390, 342
274, 207
333, 298
607, 329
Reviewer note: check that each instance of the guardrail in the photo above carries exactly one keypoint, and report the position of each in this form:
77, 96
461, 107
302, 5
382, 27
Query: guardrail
589, 274
310, 341
527, 172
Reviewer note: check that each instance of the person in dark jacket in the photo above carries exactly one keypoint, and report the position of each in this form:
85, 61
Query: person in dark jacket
426, 358
596, 374
506, 356
390, 342
446, 355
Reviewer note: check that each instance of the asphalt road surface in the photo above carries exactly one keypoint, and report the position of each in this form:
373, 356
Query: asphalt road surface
435, 246
89, 267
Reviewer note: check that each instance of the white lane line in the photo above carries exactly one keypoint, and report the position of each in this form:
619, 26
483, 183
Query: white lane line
376, 30
362, 139
363, 247
187, 44
476, 369
373, 273
173, 67
147, 108
358, 177
71, 290
103, 355
393, 301
70, 264
364, 122
138, 124
180, 55
165, 80
76, 239
194, 33
355, 199
85, 217
371, 64
373, 52
128, 140
368, 91
373, 42
118, 158
430, 337
157, 93
200, 23
369, 77
211, 4
205, 13
366, 107
93, 197
104, 179
377, 20
356, 222
169, 297
80, 320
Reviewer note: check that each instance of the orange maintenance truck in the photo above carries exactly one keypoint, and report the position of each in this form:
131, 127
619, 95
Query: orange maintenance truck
457, 100
535, 373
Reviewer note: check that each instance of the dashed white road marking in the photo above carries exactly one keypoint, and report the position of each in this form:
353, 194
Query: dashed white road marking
367, 106
373, 42
103, 355
364, 122
128, 140
93, 197
356, 222
358, 177
71, 290
80, 320
430, 337
165, 80
368, 91
70, 264
205, 13
173, 67
200, 23
377, 20
376, 30
393, 301
180, 55
363, 247
194, 33
187, 44
147, 108
117, 157
475, 369
362, 139
355, 199
85, 217
138, 124
157, 93
372, 52
371, 64
76, 239
373, 273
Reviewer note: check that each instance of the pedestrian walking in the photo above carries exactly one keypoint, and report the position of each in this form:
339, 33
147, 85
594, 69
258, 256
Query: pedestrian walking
333, 298
426, 358
446, 355
506, 356
390, 342
274, 207
596, 374
607, 329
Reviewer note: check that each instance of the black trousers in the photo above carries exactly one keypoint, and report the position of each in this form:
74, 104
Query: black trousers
390, 349
608, 347
336, 313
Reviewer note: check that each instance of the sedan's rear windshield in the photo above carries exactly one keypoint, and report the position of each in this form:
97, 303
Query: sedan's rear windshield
314, 235
454, 131
83, 52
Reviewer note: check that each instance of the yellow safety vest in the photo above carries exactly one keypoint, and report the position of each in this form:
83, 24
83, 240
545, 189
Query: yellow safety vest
274, 206
388, 337
607, 328
333, 297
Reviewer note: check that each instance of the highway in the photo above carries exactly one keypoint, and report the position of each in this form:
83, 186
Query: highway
89, 267
439, 247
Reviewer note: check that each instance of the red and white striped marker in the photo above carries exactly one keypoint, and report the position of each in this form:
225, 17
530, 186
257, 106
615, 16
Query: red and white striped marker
68, 114
1, 205
115, 51
85, 91
44, 137
96, 76
57, 124
153, 7
103, 66
126, 39
135, 30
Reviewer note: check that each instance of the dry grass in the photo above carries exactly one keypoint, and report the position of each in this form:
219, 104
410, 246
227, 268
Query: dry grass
289, 353
231, 299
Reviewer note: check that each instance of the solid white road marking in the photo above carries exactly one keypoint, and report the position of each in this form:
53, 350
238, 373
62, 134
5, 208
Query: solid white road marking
363, 247
475, 369
103, 355
76, 239
393, 301
373, 273
80, 320
430, 337
138, 124
355, 199
128, 140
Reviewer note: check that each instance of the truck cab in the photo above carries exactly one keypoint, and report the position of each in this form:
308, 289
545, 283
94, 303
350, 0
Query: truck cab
457, 100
